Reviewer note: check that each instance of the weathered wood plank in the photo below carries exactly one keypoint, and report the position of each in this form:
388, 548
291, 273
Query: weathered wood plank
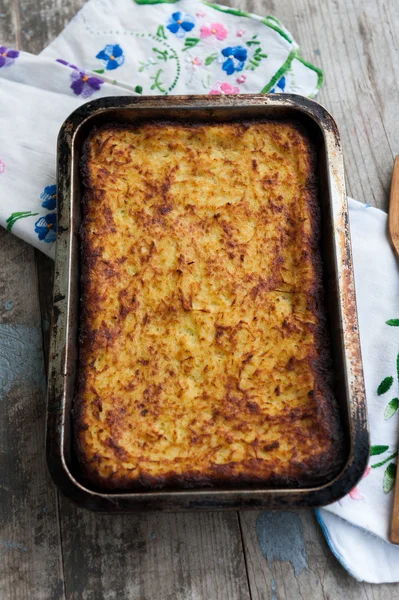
152, 557
41, 21
30, 565
287, 557
7, 24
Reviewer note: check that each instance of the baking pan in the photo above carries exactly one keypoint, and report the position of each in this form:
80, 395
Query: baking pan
339, 297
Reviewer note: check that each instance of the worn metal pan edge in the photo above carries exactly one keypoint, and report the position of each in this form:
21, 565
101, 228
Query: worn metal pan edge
63, 346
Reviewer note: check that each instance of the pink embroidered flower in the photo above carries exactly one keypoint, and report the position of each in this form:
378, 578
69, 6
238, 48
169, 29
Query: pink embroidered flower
241, 79
216, 29
224, 88
240, 32
194, 61
200, 14
355, 494
2, 167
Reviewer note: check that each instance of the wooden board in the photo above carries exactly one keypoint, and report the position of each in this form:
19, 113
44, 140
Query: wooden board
30, 565
49, 549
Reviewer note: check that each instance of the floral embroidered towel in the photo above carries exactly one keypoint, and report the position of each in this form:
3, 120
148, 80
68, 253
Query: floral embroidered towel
363, 550
127, 47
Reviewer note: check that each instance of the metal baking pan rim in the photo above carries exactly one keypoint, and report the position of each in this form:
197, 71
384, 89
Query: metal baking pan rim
207, 498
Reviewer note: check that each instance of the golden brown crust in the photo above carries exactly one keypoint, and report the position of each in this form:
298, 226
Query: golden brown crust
203, 352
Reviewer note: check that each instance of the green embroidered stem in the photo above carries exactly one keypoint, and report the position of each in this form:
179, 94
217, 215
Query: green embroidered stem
155, 1
12, 219
282, 70
157, 84
176, 79
320, 74
383, 462
277, 29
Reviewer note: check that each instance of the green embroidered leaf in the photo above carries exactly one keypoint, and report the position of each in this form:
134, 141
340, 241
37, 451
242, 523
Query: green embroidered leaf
101, 71
161, 32
253, 41
12, 219
384, 385
255, 60
210, 59
375, 450
161, 54
138, 89
389, 478
190, 42
393, 322
391, 408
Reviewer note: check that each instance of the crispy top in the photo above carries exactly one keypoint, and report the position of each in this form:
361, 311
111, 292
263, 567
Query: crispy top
203, 356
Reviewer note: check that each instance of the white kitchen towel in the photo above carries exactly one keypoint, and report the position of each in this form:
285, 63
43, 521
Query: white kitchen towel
127, 47
363, 549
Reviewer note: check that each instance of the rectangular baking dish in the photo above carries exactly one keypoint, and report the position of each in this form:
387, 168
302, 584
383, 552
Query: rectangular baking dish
339, 297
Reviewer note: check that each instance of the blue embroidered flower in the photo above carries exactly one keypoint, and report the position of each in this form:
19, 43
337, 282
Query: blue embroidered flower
280, 85
236, 57
180, 23
48, 196
112, 55
46, 228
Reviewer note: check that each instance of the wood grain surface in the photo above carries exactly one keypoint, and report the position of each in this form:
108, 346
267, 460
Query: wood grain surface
50, 549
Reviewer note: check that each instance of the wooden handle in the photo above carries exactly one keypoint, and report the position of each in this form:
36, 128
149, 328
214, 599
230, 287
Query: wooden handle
394, 535
394, 233
394, 206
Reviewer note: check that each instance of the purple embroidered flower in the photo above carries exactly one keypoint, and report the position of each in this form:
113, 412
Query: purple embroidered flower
180, 24
235, 59
48, 196
46, 228
7, 56
83, 84
112, 55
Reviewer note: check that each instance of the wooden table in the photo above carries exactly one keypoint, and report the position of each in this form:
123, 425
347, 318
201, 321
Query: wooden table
51, 550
